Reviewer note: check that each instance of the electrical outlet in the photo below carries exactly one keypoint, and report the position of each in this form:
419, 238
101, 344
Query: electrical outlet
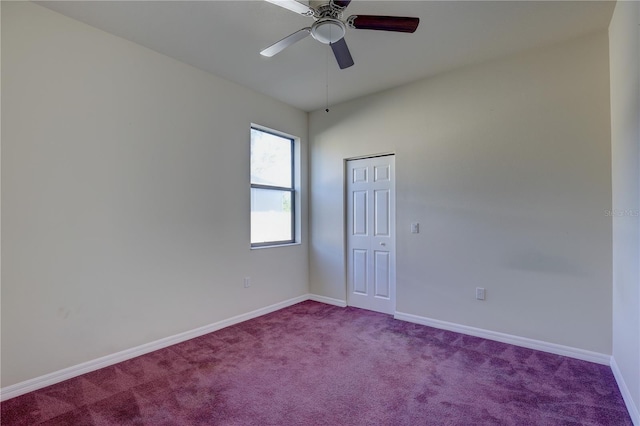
480, 293
415, 228
247, 282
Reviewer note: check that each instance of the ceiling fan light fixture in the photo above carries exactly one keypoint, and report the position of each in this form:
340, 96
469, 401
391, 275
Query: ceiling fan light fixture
328, 30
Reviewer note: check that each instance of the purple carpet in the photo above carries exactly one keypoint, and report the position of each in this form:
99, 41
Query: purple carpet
316, 364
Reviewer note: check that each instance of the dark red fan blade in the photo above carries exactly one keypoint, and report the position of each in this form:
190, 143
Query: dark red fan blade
341, 3
342, 54
386, 23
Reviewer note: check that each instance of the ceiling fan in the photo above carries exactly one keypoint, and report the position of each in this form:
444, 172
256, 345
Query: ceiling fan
329, 27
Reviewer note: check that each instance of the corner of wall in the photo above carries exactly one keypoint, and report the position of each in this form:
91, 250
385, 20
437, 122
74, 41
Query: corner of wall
626, 394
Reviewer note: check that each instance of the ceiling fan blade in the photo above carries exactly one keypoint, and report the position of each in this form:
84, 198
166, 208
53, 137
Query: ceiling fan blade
384, 23
294, 6
341, 3
342, 54
279, 46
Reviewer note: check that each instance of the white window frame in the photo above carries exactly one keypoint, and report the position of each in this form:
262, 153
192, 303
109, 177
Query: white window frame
293, 190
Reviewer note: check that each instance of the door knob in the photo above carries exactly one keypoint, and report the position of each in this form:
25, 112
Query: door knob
383, 244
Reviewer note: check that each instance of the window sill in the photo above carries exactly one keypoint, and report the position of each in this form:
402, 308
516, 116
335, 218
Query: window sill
276, 245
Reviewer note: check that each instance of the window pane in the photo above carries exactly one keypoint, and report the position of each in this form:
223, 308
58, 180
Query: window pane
270, 215
270, 159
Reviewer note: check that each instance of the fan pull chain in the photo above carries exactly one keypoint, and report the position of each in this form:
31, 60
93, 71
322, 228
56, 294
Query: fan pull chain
327, 86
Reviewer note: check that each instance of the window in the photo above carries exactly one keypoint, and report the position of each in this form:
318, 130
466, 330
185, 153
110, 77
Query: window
272, 189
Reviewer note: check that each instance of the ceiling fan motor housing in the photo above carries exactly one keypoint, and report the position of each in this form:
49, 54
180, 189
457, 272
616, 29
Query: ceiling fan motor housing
328, 30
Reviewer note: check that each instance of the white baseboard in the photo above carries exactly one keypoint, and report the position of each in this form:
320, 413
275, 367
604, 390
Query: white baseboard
86, 367
626, 395
328, 300
36, 383
508, 338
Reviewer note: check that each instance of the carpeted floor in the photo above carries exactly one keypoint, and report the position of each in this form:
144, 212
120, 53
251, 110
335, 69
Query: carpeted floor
316, 364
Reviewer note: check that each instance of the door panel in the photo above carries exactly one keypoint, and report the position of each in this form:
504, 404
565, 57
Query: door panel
382, 173
360, 174
360, 271
381, 213
371, 233
360, 212
381, 277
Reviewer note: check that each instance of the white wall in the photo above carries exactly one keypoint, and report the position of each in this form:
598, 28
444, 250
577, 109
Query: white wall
125, 196
507, 167
624, 51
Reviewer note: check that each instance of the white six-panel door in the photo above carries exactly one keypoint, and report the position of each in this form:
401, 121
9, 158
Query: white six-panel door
370, 228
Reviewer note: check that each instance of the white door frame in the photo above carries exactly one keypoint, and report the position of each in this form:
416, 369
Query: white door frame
390, 306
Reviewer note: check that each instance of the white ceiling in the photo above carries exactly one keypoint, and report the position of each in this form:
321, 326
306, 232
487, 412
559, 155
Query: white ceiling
225, 38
